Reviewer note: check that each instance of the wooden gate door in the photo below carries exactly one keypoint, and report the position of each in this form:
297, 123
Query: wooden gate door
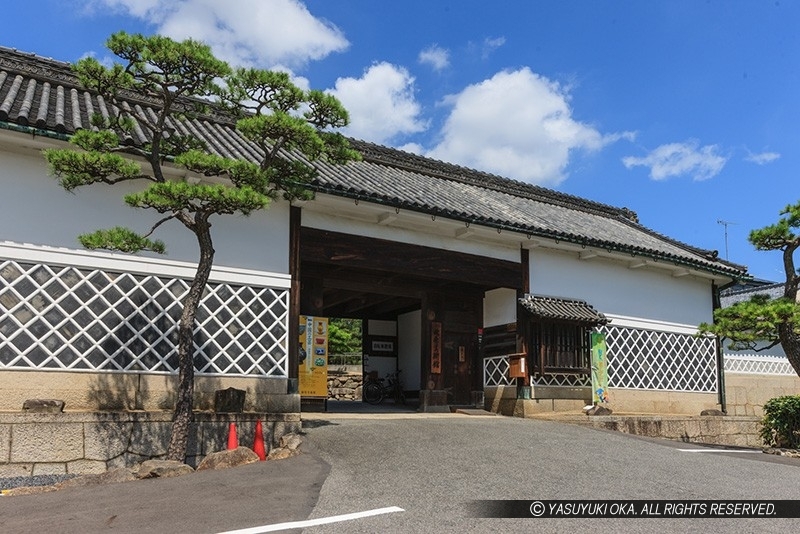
460, 317
458, 355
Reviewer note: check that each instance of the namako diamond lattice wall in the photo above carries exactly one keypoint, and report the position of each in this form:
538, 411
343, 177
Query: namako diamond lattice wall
650, 359
637, 359
68, 318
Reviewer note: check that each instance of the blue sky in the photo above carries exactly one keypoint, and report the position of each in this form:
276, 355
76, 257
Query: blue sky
686, 112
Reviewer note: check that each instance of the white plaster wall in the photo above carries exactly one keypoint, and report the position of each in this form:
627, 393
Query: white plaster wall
376, 327
409, 345
322, 221
499, 307
614, 289
382, 364
35, 209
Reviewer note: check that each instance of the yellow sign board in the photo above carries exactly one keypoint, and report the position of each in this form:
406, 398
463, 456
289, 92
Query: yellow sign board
313, 373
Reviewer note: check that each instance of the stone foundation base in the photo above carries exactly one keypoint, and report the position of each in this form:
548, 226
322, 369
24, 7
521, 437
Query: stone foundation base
88, 392
738, 431
81, 443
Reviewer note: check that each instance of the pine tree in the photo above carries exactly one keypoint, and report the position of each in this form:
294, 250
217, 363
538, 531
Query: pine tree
761, 323
179, 79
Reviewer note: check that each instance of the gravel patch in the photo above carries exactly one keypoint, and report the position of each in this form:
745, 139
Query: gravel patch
37, 480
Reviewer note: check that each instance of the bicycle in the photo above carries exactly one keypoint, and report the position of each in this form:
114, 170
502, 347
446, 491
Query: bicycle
374, 390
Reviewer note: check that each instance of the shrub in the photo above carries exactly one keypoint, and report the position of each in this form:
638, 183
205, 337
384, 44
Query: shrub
781, 422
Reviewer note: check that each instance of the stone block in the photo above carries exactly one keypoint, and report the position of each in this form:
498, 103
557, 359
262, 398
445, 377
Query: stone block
5, 443
229, 400
692, 429
279, 429
43, 406
290, 441
285, 403
674, 429
51, 442
116, 463
15, 470
150, 439
127, 460
280, 454
228, 458
104, 440
162, 469
213, 437
86, 467
55, 468
737, 440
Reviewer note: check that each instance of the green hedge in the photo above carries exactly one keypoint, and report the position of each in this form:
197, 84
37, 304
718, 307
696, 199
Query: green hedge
781, 422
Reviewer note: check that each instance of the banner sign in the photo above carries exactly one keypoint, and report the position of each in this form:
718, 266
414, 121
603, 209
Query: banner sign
313, 375
436, 348
599, 368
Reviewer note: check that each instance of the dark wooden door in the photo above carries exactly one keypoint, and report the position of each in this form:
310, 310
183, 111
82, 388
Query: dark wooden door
459, 352
460, 317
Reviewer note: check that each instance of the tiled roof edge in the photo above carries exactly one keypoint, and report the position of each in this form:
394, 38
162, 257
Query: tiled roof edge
400, 159
51, 70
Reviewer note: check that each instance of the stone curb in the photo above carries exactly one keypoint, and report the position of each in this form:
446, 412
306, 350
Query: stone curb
149, 469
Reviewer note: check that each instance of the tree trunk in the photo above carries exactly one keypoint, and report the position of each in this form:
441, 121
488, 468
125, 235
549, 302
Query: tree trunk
790, 341
183, 407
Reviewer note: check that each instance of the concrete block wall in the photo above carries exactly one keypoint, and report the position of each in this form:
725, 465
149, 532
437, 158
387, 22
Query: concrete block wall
81, 443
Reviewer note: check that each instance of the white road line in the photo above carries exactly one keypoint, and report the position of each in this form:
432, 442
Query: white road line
737, 451
313, 522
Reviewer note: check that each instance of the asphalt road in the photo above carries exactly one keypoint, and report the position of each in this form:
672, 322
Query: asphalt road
202, 502
432, 467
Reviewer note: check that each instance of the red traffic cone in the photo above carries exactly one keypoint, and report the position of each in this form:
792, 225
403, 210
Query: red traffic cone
258, 443
233, 439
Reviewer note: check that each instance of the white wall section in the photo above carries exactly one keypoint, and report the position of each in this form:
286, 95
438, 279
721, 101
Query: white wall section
409, 344
35, 209
614, 289
499, 307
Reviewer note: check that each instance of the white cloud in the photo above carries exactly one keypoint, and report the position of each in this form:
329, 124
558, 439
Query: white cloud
680, 159
142, 9
763, 158
490, 45
517, 124
381, 103
244, 32
414, 148
435, 56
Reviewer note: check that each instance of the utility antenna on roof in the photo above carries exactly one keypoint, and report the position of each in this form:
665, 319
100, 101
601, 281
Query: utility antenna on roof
725, 224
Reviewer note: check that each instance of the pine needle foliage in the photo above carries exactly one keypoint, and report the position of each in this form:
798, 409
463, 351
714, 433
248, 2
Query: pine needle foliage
157, 84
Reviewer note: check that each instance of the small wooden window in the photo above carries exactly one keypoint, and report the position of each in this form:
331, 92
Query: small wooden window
560, 347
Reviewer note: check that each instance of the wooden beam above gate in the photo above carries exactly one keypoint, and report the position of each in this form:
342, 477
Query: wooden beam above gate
351, 251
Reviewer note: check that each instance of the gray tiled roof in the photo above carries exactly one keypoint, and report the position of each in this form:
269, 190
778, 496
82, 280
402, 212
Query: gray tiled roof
577, 311
732, 296
43, 97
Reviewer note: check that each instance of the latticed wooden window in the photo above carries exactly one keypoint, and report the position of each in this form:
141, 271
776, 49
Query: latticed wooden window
557, 335
560, 347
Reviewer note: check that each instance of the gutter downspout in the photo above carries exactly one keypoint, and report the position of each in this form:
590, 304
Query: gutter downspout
715, 299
